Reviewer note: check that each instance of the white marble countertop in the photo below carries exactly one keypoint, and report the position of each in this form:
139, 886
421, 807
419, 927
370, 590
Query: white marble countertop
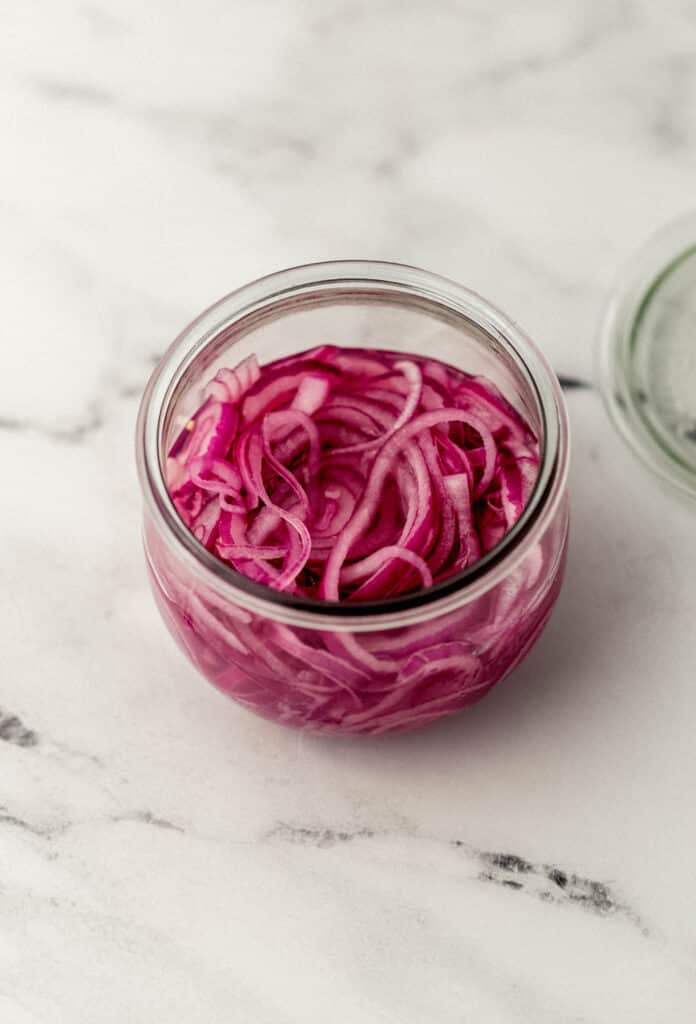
164, 856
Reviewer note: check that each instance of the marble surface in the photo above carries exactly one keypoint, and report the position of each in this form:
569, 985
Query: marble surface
164, 856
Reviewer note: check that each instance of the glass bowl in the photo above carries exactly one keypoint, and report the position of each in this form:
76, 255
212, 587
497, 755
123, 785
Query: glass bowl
337, 667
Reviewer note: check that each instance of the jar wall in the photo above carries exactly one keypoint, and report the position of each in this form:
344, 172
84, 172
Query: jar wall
367, 682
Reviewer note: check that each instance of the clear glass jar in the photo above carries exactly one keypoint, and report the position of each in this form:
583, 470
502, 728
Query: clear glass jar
336, 667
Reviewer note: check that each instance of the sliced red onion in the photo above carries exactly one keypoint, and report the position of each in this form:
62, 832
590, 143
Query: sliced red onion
351, 475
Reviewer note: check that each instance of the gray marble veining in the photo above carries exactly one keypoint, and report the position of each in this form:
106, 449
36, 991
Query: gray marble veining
165, 856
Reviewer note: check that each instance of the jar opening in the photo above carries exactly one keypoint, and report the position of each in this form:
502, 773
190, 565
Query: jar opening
274, 307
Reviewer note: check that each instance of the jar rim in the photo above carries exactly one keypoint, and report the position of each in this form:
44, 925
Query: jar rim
340, 276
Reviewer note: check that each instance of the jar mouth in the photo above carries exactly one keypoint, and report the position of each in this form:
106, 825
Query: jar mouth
330, 280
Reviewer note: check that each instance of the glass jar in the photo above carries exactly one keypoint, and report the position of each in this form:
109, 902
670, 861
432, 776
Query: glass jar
365, 667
